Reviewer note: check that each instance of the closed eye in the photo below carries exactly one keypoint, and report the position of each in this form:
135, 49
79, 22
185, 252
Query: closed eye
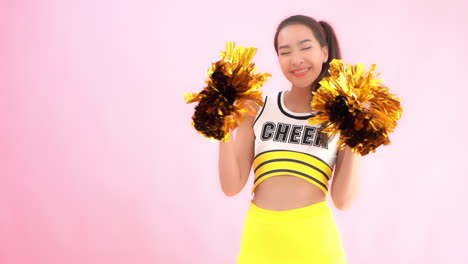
306, 48
285, 53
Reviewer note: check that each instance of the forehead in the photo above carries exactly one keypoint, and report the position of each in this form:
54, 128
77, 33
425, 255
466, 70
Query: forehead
293, 34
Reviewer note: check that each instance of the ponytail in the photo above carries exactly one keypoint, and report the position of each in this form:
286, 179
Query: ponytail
333, 51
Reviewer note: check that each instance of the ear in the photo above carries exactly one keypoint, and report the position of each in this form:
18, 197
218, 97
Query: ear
325, 54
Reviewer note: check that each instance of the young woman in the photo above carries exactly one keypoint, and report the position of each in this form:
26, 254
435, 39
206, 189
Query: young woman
295, 164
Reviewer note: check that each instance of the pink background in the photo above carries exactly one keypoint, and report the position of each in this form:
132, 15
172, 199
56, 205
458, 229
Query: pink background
99, 162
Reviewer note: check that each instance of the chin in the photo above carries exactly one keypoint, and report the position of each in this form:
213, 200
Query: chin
302, 85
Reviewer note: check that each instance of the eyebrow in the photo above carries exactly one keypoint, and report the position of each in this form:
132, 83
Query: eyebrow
300, 42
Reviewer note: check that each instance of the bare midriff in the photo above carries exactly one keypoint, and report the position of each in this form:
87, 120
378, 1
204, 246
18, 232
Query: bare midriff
285, 192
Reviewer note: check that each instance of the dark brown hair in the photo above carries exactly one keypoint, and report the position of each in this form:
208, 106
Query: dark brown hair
324, 34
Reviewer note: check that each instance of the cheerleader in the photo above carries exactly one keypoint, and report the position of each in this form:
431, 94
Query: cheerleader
295, 164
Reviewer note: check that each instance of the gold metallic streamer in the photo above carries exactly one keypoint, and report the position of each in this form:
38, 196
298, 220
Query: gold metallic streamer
231, 87
355, 104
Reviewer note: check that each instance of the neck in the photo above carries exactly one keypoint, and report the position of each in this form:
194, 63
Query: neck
299, 99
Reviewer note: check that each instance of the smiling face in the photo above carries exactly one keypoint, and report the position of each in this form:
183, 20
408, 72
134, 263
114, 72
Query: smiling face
300, 55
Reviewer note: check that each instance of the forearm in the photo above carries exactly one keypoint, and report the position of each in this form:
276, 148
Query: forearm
236, 157
346, 181
229, 173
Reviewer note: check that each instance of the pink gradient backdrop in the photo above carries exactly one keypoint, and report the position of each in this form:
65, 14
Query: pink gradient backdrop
99, 163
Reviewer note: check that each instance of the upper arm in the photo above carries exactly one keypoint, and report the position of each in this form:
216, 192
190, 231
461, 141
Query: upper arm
347, 162
245, 147
338, 164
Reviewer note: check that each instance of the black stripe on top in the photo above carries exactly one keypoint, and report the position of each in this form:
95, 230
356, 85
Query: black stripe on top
293, 160
292, 171
261, 111
288, 114
278, 150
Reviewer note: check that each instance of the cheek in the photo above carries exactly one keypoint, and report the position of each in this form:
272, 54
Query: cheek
284, 64
319, 66
316, 62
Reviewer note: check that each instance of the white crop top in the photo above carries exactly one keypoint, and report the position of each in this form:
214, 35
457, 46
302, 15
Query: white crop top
286, 144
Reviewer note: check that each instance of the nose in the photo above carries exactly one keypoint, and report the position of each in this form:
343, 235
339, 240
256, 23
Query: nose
297, 58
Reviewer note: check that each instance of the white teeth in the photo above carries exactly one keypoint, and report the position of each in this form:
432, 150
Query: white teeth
306, 69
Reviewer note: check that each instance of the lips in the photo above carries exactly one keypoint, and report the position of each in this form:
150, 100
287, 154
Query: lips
301, 71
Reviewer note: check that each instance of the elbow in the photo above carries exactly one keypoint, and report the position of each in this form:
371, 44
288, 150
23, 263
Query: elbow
229, 189
344, 199
231, 185
340, 205
230, 194
344, 202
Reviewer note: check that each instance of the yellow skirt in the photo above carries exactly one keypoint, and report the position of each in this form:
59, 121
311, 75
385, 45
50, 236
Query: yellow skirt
304, 235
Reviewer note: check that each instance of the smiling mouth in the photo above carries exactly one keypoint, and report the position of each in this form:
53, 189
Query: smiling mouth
301, 72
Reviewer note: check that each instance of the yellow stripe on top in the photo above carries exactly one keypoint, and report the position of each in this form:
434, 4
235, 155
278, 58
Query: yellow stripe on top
287, 162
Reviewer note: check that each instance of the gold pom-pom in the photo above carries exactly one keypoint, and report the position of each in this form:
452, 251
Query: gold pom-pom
231, 87
350, 101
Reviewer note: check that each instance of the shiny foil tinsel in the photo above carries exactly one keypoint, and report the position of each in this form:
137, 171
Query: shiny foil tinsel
350, 101
231, 88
